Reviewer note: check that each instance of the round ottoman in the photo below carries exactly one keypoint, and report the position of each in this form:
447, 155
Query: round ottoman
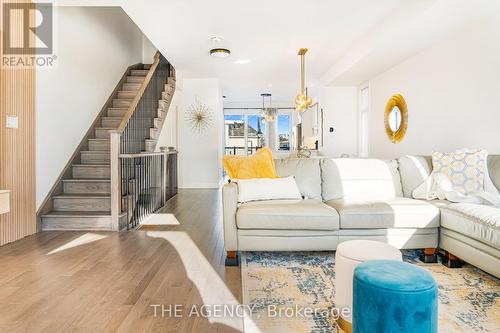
393, 297
348, 255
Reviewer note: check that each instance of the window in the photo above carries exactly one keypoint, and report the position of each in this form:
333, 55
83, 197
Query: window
284, 131
256, 128
246, 133
234, 131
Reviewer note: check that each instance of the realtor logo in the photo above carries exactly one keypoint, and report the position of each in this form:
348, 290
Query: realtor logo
36, 28
27, 33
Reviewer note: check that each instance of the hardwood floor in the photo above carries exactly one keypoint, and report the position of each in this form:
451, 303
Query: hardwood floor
113, 282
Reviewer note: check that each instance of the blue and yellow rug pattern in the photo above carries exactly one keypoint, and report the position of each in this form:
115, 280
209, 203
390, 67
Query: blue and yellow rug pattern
278, 285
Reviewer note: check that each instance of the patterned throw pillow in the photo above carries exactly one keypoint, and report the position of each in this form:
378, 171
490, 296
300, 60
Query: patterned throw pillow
463, 170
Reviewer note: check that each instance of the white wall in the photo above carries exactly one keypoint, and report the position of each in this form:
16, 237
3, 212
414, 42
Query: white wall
200, 154
168, 134
94, 47
148, 50
339, 106
451, 90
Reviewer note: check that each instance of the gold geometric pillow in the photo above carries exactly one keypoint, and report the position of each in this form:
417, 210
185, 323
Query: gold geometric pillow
463, 169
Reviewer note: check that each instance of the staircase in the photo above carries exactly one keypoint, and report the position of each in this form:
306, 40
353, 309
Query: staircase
81, 198
163, 106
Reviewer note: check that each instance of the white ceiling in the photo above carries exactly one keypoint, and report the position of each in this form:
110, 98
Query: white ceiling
349, 40
268, 33
410, 29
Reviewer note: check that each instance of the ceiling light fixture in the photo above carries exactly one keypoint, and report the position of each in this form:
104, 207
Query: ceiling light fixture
302, 101
220, 53
268, 113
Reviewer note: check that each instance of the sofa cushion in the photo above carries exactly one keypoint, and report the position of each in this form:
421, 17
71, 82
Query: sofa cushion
268, 189
440, 203
308, 214
391, 213
480, 222
414, 170
363, 179
306, 172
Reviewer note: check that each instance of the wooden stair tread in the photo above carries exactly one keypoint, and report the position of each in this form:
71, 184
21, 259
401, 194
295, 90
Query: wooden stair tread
87, 180
103, 152
135, 79
56, 213
139, 72
91, 165
82, 195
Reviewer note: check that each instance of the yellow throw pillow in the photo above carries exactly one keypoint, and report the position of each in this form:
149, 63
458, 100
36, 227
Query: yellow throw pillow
259, 165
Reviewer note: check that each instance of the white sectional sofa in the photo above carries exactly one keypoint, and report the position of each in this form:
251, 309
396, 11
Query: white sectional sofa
348, 199
470, 232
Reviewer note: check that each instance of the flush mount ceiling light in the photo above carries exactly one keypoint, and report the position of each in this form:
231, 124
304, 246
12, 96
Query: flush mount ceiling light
220, 53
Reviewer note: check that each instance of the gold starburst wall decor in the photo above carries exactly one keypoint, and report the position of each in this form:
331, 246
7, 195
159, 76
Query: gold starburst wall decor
199, 117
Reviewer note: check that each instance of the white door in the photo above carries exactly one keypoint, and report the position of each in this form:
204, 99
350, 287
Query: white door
363, 114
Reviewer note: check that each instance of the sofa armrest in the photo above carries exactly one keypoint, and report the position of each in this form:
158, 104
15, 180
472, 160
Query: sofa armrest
229, 207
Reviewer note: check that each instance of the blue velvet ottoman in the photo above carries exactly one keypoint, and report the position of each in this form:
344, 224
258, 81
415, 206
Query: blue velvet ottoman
393, 297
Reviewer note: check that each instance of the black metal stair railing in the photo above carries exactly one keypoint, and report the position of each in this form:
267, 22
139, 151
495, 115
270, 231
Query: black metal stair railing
142, 181
148, 181
136, 129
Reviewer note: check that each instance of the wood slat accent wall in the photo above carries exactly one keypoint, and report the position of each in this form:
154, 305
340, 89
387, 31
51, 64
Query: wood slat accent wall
17, 146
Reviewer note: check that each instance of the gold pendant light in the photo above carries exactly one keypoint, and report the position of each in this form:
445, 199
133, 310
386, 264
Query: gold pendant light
302, 101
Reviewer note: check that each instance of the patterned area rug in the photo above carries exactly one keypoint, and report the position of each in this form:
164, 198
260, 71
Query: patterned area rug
280, 286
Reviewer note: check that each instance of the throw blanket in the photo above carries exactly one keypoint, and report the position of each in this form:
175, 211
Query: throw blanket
460, 176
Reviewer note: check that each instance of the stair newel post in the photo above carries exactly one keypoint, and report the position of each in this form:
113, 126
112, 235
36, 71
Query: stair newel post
116, 207
164, 150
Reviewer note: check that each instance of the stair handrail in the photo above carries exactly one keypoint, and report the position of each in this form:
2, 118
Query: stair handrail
133, 105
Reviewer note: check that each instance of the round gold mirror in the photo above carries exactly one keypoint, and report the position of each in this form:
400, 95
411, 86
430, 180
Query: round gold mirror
396, 118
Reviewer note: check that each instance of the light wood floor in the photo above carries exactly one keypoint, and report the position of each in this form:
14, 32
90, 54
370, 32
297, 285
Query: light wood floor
107, 282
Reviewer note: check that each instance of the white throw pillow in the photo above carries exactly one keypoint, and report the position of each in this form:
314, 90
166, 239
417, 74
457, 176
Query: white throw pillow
267, 189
